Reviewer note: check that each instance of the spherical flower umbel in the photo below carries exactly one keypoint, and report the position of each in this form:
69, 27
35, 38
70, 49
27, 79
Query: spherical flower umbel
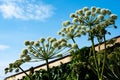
48, 39
108, 11
69, 45
24, 51
74, 45
88, 13
75, 20
63, 44
93, 9
80, 12
42, 40
55, 44
85, 9
27, 43
100, 17
98, 10
31, 42
103, 11
66, 23
113, 16
27, 58
72, 15
36, 43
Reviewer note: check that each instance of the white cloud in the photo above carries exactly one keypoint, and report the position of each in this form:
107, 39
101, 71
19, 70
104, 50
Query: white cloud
25, 9
4, 47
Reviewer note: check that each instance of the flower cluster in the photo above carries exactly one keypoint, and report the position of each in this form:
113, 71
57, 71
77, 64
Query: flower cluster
72, 30
86, 20
14, 66
45, 49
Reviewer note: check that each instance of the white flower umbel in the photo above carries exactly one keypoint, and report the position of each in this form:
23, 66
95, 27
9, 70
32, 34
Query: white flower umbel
45, 49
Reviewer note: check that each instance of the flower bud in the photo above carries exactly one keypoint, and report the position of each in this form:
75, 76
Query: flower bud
59, 33
71, 30
11, 65
59, 47
48, 39
62, 40
74, 45
72, 15
108, 11
47, 45
80, 12
88, 13
55, 44
27, 43
93, 14
98, 10
42, 40
113, 16
100, 17
69, 45
66, 23
30, 50
24, 52
62, 35
17, 70
54, 39
63, 29
69, 35
85, 9
75, 20
74, 26
78, 35
63, 44
93, 9
103, 11
31, 42
27, 58
36, 43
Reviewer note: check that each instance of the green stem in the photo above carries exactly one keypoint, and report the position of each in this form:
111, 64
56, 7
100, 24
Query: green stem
94, 54
98, 44
47, 64
104, 57
73, 40
48, 69
25, 72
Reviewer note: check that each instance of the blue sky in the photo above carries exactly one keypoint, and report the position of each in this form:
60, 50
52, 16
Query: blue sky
22, 20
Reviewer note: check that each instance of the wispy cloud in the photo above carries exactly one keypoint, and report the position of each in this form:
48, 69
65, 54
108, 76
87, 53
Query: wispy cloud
4, 47
25, 9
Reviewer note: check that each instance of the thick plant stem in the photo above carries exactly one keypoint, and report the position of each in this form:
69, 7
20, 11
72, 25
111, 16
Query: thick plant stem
47, 64
48, 69
94, 54
25, 72
98, 44
104, 57
73, 40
